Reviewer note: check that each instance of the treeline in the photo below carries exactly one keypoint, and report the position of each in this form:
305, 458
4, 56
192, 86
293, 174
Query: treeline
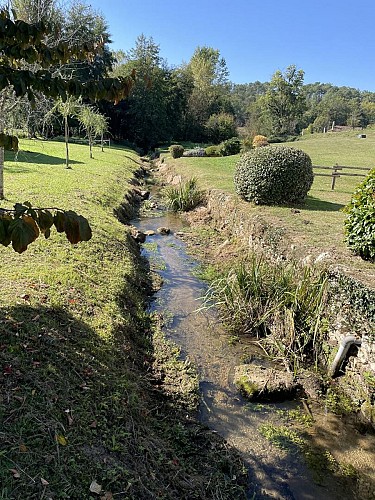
195, 101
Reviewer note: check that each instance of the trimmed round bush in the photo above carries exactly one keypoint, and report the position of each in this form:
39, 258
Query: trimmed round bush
176, 150
274, 175
230, 147
212, 151
360, 221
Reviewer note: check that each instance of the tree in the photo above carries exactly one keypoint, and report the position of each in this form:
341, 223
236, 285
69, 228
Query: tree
93, 122
68, 108
284, 101
210, 89
146, 117
24, 44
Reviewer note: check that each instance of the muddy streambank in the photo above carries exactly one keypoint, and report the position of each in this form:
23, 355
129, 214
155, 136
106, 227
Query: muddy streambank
277, 469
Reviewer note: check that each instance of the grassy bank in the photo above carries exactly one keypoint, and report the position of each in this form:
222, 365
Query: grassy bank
318, 224
79, 404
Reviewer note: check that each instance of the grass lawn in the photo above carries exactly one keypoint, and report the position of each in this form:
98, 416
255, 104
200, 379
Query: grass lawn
319, 224
77, 407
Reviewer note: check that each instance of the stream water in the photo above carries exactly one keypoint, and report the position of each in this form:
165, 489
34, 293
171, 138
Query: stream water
273, 472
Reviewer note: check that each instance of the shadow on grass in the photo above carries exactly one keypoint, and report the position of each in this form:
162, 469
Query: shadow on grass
23, 156
315, 204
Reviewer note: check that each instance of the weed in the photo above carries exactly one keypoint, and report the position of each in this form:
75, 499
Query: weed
184, 197
280, 302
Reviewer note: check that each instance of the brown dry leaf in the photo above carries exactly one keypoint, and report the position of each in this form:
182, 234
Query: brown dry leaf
23, 448
107, 496
94, 424
95, 487
44, 482
61, 439
15, 473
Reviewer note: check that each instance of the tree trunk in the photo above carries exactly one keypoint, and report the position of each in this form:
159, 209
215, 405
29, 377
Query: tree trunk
90, 146
66, 143
1, 173
1, 166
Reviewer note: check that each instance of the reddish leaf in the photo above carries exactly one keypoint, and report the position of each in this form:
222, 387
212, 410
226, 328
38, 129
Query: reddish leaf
23, 232
59, 221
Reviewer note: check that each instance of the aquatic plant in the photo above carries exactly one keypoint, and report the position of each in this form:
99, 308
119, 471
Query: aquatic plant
183, 197
281, 303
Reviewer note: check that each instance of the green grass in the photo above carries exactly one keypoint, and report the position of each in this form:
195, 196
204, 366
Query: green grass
319, 222
76, 400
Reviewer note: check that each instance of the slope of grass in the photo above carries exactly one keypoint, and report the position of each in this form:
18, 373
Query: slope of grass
77, 406
319, 222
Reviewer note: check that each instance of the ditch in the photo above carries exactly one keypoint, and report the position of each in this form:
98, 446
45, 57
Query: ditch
290, 454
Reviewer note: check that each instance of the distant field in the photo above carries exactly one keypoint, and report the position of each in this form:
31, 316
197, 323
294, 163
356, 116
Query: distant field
320, 221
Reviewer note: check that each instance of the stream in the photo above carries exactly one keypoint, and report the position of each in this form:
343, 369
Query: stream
273, 472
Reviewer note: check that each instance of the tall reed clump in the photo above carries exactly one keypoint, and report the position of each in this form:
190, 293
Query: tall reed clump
184, 197
280, 303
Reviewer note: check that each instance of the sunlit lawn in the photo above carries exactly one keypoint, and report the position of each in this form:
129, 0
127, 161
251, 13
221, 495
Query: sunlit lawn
320, 220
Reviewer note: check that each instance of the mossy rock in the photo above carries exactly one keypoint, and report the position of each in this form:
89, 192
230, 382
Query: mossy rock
259, 383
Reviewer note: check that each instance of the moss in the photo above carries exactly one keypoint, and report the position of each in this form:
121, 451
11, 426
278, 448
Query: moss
247, 388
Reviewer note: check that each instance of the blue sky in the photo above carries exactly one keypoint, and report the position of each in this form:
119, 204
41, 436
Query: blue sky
332, 41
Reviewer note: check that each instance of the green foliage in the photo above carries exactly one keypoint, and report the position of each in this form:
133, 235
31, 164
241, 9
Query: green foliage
274, 175
337, 401
284, 102
176, 150
282, 302
8, 142
184, 197
22, 42
220, 127
230, 147
360, 221
23, 224
212, 151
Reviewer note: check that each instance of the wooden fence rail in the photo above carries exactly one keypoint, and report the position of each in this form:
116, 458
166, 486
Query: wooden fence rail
337, 171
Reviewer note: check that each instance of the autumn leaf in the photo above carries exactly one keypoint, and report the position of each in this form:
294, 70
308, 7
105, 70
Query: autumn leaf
23, 232
44, 482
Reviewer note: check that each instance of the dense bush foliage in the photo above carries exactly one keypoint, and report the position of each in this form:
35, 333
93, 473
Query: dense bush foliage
360, 222
212, 151
195, 152
274, 175
260, 141
176, 150
230, 147
220, 127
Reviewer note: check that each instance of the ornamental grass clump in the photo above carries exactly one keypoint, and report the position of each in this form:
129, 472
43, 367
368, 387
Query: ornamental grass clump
360, 221
279, 302
274, 175
184, 197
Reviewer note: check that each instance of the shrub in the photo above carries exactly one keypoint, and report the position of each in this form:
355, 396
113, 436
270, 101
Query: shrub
194, 152
360, 221
184, 197
212, 151
274, 175
220, 127
230, 147
260, 141
176, 150
247, 144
